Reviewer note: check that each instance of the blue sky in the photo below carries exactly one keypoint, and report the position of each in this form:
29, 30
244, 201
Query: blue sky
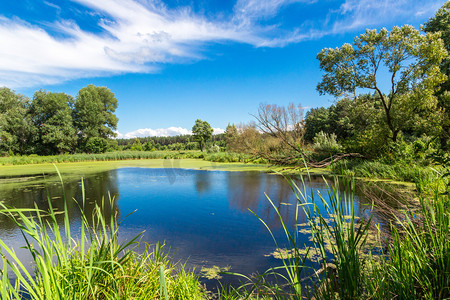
171, 62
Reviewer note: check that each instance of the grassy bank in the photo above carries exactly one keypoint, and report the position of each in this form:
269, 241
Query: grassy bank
89, 167
347, 257
130, 155
92, 264
351, 258
397, 171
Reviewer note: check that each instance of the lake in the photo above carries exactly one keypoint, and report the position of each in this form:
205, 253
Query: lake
203, 217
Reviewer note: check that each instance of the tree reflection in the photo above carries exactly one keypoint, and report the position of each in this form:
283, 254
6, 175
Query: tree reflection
250, 192
27, 195
202, 181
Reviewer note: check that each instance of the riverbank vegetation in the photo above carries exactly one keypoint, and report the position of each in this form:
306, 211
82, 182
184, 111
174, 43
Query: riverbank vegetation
90, 264
351, 257
348, 256
391, 111
400, 132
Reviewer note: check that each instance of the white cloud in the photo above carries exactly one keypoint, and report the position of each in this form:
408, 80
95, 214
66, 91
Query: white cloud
247, 12
138, 36
218, 130
357, 14
171, 131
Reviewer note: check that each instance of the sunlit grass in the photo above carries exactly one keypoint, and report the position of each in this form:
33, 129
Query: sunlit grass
347, 259
91, 264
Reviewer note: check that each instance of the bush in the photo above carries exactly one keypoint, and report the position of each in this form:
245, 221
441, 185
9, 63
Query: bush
326, 143
213, 149
97, 145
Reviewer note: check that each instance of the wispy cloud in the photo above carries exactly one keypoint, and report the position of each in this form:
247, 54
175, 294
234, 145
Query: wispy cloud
356, 14
171, 131
140, 36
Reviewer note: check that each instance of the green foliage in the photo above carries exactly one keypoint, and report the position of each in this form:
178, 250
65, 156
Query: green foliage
91, 265
202, 132
94, 113
97, 145
380, 169
149, 145
412, 60
15, 124
54, 123
440, 23
417, 264
213, 149
176, 147
129, 155
317, 120
137, 146
326, 143
231, 137
113, 145
51, 115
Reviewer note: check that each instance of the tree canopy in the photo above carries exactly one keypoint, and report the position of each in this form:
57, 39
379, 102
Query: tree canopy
441, 23
94, 113
56, 123
15, 124
202, 132
410, 59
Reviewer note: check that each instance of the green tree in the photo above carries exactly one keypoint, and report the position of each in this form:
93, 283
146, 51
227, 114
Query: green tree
97, 145
441, 23
231, 136
51, 114
202, 132
149, 145
137, 145
411, 59
94, 113
15, 124
317, 120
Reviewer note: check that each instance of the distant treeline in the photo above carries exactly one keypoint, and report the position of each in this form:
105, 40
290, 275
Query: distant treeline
179, 142
57, 123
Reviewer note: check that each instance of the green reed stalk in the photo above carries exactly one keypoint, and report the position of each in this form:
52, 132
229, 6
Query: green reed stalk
92, 265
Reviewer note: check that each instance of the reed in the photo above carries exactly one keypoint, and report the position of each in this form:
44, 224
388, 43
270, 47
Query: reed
92, 264
130, 155
341, 263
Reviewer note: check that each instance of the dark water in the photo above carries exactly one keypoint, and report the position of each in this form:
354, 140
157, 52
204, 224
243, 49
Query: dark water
202, 216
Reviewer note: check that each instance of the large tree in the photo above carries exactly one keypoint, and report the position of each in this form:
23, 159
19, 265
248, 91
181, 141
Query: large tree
51, 114
410, 60
94, 113
441, 23
15, 125
202, 132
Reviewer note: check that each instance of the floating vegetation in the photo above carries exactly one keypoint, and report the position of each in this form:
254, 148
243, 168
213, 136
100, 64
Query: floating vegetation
214, 272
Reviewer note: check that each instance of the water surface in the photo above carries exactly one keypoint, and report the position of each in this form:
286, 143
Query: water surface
204, 217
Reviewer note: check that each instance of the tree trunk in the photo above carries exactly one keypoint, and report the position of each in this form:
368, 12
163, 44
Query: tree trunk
394, 135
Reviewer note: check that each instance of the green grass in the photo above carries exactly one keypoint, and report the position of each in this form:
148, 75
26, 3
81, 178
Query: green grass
91, 265
412, 262
347, 259
129, 155
400, 171
89, 167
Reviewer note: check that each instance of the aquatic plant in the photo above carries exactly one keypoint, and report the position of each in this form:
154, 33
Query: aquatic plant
92, 264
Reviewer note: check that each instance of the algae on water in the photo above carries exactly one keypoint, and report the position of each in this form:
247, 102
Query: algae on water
214, 272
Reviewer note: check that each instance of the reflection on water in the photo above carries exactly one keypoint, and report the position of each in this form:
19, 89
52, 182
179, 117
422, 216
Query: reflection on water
202, 216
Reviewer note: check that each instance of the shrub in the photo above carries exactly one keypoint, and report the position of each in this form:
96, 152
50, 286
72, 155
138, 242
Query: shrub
213, 149
96, 145
326, 143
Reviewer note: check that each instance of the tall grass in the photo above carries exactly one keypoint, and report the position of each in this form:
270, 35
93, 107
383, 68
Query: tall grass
331, 266
92, 264
345, 260
377, 169
128, 155
418, 259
